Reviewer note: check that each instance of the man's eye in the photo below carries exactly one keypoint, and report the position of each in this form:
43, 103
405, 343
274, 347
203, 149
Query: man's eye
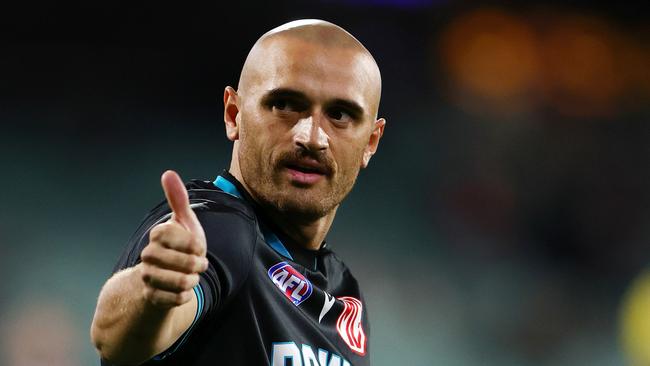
279, 104
285, 105
339, 115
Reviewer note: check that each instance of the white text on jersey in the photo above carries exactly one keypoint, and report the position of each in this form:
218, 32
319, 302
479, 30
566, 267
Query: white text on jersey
303, 356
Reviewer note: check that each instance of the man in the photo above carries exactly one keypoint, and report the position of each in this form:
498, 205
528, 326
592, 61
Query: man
238, 273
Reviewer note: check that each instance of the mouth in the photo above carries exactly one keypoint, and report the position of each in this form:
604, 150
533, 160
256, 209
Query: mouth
306, 171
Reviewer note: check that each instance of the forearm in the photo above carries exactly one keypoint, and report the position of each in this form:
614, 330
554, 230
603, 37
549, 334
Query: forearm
128, 329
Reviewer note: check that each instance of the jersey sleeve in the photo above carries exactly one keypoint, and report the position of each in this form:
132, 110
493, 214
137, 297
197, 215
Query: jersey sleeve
230, 237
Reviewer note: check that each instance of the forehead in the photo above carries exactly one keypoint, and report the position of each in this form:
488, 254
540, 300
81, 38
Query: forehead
320, 71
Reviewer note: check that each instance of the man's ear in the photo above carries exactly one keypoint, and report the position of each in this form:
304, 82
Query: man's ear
231, 112
373, 142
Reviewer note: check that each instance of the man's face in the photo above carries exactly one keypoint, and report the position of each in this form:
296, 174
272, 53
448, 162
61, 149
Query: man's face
306, 122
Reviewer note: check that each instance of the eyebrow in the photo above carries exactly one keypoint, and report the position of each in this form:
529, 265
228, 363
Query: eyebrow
284, 92
351, 106
355, 110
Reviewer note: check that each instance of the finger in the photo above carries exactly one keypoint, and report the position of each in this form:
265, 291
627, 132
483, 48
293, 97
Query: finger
165, 298
167, 280
174, 260
177, 197
179, 203
175, 236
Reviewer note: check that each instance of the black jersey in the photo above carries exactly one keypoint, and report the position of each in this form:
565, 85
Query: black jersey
262, 301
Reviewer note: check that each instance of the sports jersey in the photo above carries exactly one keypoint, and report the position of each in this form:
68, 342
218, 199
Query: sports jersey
263, 300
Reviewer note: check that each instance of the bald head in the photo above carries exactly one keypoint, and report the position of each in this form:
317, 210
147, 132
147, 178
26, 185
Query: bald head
308, 94
309, 41
317, 31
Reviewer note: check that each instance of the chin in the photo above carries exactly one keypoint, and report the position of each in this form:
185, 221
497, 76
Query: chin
303, 203
303, 206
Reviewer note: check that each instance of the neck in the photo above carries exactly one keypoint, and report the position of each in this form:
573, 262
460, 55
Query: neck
308, 234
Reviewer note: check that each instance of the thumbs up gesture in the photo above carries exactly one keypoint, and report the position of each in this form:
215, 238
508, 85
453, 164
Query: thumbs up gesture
176, 252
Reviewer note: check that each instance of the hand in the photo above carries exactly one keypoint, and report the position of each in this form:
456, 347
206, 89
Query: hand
176, 252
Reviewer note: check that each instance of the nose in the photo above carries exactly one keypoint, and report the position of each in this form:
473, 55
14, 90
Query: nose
308, 134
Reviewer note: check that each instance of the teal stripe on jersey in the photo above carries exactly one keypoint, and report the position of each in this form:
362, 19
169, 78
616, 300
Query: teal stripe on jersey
273, 240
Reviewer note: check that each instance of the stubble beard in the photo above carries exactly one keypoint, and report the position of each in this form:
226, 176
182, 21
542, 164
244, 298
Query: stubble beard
270, 188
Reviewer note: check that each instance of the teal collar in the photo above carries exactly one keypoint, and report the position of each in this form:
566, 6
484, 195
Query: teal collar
270, 237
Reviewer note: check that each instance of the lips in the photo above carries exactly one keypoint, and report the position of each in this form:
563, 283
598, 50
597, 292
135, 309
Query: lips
306, 171
308, 166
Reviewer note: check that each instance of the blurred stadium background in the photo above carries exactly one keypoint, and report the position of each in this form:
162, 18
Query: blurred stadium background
502, 222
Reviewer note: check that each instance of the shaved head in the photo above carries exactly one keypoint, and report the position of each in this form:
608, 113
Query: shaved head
328, 37
304, 118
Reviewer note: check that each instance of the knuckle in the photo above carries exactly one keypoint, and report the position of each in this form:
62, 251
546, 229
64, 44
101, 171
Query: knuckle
164, 230
145, 274
202, 247
180, 282
147, 253
157, 301
199, 265
194, 280
194, 246
181, 298
184, 282
148, 294
187, 295
156, 232
190, 262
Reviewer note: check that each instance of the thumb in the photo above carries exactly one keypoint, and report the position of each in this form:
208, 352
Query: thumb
178, 200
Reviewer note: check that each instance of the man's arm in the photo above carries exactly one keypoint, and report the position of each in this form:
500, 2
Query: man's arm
143, 310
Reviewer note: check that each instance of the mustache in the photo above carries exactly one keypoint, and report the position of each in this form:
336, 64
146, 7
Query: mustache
299, 156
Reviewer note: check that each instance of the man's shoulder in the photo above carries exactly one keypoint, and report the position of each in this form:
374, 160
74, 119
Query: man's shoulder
223, 217
205, 196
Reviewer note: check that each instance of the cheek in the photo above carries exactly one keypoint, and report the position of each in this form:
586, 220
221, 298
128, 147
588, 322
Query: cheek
259, 134
249, 137
250, 127
350, 154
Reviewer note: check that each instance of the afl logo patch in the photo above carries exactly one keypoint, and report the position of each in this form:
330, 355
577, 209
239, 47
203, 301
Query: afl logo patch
292, 283
349, 325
